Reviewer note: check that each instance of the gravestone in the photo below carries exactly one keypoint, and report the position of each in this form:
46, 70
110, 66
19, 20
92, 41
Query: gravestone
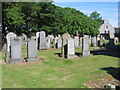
37, 38
43, 41
116, 39
32, 51
55, 42
65, 37
48, 41
51, 38
15, 50
85, 49
59, 42
70, 48
81, 40
94, 41
76, 41
101, 42
90, 40
23, 38
8, 36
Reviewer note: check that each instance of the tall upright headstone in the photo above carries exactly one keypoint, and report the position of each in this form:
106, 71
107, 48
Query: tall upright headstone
81, 41
48, 41
90, 40
94, 43
43, 41
65, 37
15, 50
55, 42
37, 39
8, 36
101, 42
59, 42
76, 41
70, 48
85, 49
32, 51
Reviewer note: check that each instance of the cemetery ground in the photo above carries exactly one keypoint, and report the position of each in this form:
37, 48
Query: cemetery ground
56, 72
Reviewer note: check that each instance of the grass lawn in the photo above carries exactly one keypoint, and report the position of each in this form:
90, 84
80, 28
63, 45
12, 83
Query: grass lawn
56, 72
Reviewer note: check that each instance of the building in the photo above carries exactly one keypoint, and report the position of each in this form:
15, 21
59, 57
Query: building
106, 28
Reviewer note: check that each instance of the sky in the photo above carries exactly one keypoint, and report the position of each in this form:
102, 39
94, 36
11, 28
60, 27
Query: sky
108, 10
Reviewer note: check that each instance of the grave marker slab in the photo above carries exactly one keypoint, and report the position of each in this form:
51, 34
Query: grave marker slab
43, 41
70, 49
85, 49
65, 37
32, 51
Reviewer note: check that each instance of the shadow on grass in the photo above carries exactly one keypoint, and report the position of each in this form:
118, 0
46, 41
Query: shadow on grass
103, 52
60, 54
115, 72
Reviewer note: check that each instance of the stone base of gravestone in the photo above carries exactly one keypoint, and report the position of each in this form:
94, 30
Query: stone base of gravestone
71, 56
85, 53
15, 61
29, 60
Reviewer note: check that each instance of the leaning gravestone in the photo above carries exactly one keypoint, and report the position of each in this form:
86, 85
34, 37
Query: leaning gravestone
76, 41
15, 50
85, 49
65, 37
70, 48
43, 41
59, 42
32, 51
8, 36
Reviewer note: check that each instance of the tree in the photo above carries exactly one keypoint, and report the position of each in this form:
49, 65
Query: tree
96, 16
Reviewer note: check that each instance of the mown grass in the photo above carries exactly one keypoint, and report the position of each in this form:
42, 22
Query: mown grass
56, 72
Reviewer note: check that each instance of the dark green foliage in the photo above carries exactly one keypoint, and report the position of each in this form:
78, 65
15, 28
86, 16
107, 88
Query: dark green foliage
29, 17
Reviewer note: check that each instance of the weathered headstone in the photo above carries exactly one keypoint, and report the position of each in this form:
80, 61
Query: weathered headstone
37, 38
32, 51
65, 37
81, 41
8, 36
90, 40
55, 42
48, 41
15, 50
59, 42
76, 41
70, 48
85, 49
94, 41
24, 38
43, 41
101, 42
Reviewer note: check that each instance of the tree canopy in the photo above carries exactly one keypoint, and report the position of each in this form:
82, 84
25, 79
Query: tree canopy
30, 17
